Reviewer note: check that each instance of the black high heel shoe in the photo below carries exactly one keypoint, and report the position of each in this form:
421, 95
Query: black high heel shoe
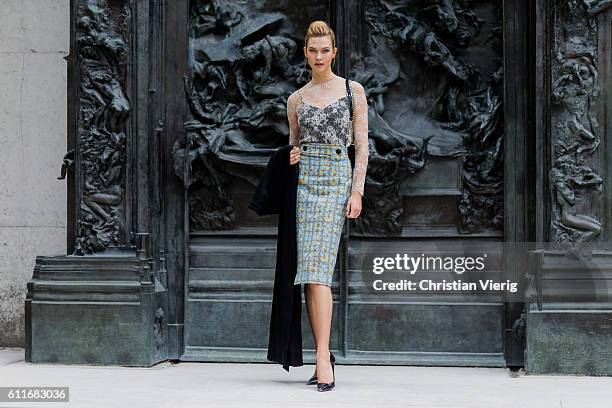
312, 381
331, 385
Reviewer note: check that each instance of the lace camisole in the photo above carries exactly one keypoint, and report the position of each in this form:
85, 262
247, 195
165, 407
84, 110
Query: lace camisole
318, 114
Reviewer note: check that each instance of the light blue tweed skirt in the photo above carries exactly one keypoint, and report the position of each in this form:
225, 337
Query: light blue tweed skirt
324, 186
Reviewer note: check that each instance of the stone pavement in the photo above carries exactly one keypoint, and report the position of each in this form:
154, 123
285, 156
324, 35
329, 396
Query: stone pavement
268, 385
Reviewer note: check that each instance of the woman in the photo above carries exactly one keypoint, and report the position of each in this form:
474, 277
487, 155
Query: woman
327, 192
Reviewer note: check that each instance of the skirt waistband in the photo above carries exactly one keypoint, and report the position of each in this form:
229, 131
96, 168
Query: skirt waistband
324, 149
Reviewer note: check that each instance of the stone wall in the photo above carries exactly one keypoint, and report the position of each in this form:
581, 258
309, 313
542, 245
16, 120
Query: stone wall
34, 39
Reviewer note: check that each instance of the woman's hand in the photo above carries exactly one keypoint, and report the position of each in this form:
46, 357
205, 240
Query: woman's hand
294, 155
353, 206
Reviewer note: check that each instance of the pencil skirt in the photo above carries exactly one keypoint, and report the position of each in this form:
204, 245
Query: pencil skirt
324, 186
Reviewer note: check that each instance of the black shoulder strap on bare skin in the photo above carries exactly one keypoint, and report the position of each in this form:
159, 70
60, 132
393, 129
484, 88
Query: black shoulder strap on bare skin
351, 147
350, 97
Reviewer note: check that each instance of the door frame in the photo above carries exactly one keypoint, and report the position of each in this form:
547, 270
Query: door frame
518, 155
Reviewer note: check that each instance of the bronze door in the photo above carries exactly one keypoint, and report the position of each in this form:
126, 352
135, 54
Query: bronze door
433, 72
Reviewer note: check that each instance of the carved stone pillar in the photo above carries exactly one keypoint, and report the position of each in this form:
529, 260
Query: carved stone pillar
569, 311
105, 302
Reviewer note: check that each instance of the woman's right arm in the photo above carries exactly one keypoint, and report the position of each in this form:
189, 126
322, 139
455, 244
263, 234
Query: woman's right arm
294, 130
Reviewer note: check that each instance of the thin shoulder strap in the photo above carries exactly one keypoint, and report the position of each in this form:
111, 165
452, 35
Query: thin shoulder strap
351, 109
350, 97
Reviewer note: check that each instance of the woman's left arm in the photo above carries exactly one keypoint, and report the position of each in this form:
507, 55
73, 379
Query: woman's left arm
360, 122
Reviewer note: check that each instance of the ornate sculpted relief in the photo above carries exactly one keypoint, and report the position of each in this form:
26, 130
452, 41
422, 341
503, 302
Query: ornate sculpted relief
466, 118
595, 6
102, 32
574, 180
244, 62
243, 65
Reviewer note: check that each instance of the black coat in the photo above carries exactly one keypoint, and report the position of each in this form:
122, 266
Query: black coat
276, 194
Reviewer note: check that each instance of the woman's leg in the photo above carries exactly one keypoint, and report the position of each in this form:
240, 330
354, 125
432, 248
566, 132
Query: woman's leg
311, 313
321, 304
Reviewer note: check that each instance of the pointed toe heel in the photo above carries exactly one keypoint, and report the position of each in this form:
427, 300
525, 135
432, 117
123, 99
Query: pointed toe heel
325, 387
328, 386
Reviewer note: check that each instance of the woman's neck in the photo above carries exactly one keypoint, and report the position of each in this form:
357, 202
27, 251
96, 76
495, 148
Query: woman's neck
322, 77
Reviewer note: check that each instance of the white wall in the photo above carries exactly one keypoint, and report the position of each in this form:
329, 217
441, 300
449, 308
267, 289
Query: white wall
34, 38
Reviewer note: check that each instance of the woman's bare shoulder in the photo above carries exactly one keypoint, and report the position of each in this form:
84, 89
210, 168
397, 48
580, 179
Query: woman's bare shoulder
357, 86
294, 96
292, 99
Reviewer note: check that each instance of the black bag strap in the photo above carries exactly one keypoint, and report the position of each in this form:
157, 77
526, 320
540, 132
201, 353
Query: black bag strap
350, 97
351, 109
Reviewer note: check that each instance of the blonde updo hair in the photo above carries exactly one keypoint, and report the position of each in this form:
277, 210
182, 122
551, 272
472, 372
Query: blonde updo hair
319, 28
